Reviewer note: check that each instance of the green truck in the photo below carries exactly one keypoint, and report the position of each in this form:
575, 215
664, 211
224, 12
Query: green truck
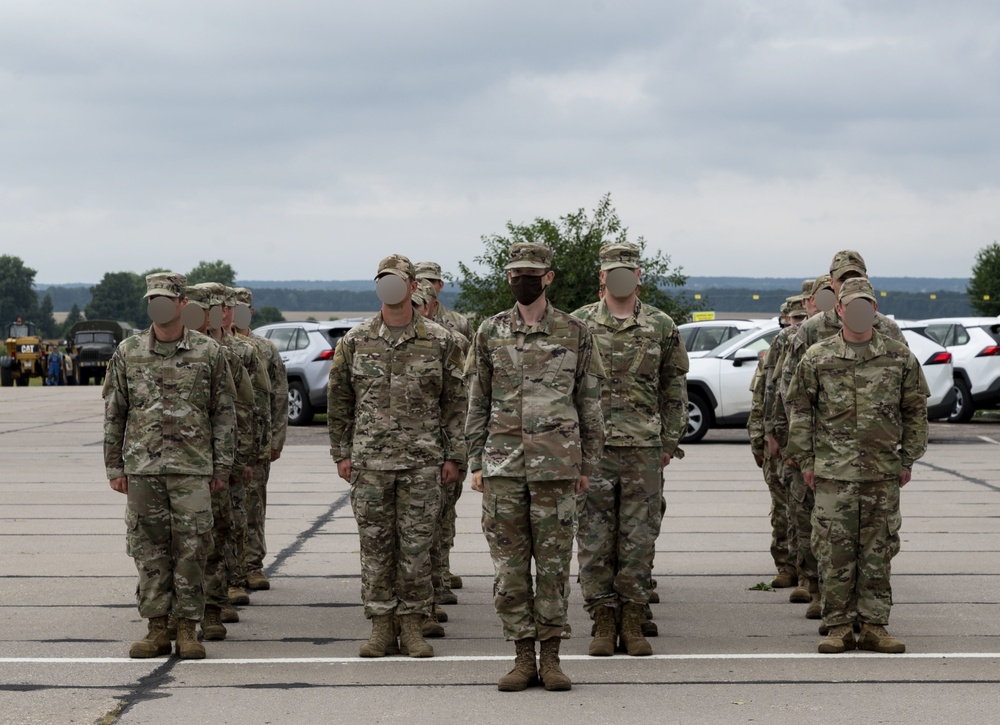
91, 343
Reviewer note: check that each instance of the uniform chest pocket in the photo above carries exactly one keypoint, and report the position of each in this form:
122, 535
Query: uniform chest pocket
647, 357
837, 390
560, 369
369, 362
186, 381
506, 367
423, 382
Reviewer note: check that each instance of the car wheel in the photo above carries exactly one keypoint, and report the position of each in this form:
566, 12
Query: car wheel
82, 378
964, 407
698, 419
300, 411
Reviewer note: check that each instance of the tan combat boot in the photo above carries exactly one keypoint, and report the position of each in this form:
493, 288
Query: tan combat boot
454, 581
211, 624
238, 596
229, 615
257, 581
551, 674
649, 629
381, 637
440, 614
785, 578
633, 615
156, 643
874, 638
800, 594
605, 633
525, 672
815, 608
839, 639
654, 597
411, 641
431, 628
188, 646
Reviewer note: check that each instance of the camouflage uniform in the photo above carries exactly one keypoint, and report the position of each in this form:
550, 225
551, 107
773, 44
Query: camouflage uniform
644, 404
394, 408
169, 429
534, 427
856, 420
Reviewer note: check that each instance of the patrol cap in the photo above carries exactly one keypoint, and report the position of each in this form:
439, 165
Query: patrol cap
428, 270
216, 292
783, 309
428, 289
619, 254
821, 282
243, 296
847, 260
418, 298
198, 295
529, 255
165, 284
796, 306
230, 297
856, 288
807, 286
398, 265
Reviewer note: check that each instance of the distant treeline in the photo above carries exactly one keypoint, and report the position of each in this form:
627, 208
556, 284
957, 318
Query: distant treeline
293, 300
903, 305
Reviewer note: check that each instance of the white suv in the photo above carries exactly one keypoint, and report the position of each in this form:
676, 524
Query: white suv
700, 338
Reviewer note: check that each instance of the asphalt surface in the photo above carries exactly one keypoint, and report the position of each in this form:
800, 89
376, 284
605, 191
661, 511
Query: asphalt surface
725, 654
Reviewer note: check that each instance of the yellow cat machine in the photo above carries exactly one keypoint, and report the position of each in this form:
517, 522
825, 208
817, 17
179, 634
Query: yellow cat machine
24, 357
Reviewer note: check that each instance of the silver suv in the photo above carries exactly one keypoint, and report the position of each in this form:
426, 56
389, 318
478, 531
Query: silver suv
307, 349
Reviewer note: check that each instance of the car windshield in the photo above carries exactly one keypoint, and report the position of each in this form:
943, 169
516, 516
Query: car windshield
88, 337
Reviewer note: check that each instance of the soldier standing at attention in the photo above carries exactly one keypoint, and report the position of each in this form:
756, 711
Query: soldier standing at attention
857, 421
535, 434
644, 404
394, 411
169, 424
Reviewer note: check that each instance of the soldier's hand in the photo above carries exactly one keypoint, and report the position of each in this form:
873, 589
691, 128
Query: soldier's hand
119, 484
582, 484
477, 480
449, 472
810, 478
344, 468
664, 460
275, 455
772, 445
904, 477
247, 473
792, 463
216, 485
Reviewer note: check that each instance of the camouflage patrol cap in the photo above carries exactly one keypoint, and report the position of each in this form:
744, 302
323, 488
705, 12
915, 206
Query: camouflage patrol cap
398, 265
229, 299
529, 255
198, 295
243, 296
418, 299
796, 306
821, 282
619, 254
856, 288
847, 260
428, 289
165, 284
807, 286
216, 292
428, 270
783, 310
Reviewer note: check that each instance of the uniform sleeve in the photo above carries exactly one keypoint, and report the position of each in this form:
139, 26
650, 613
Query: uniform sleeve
479, 379
913, 413
244, 407
261, 382
769, 374
802, 395
116, 403
587, 397
755, 424
674, 367
787, 364
222, 415
453, 405
279, 398
340, 402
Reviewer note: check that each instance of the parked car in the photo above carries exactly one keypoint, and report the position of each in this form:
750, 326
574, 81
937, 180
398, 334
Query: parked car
702, 337
936, 363
974, 343
307, 349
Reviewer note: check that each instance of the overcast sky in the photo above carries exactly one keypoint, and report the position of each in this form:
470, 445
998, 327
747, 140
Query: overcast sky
306, 140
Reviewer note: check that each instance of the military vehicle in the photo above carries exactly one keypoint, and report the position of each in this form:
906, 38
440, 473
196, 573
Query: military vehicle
91, 344
24, 356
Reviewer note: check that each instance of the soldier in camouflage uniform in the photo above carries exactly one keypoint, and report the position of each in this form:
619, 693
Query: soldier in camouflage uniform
535, 435
846, 264
256, 490
644, 404
169, 426
431, 271
857, 408
394, 410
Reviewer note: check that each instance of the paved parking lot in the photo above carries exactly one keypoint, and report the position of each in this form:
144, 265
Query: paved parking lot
725, 654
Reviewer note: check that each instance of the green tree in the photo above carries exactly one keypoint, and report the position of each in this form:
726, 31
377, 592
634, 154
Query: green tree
119, 296
267, 316
46, 320
985, 281
72, 318
217, 271
17, 294
576, 240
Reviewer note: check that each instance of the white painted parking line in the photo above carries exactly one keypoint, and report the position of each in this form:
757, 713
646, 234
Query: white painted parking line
989, 440
496, 658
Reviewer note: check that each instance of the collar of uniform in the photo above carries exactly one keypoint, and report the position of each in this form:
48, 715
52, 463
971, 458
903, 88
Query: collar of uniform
183, 344
605, 317
876, 346
544, 325
379, 328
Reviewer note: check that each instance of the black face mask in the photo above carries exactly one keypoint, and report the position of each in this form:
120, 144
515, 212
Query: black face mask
526, 289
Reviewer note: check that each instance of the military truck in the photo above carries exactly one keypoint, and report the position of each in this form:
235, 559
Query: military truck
91, 344
23, 356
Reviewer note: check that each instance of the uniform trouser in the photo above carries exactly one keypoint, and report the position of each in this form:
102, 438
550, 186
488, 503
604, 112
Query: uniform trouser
444, 533
169, 533
661, 511
524, 521
855, 536
397, 512
779, 513
256, 508
618, 527
237, 565
220, 555
800, 507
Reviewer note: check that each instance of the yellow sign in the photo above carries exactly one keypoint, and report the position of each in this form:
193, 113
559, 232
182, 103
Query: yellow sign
702, 316
986, 297
933, 297
697, 297
882, 293
756, 297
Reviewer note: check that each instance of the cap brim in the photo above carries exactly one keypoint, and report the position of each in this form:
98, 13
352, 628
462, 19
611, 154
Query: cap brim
848, 299
202, 305
841, 271
617, 265
160, 293
526, 265
401, 275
